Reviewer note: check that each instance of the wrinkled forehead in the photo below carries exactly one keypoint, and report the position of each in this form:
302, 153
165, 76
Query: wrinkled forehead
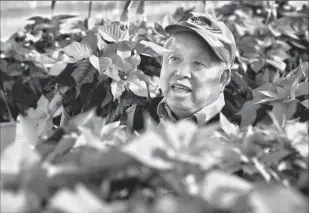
192, 43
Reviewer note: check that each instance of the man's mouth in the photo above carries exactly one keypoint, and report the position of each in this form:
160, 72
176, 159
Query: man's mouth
180, 88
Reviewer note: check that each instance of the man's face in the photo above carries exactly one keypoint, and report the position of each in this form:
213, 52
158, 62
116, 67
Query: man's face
191, 75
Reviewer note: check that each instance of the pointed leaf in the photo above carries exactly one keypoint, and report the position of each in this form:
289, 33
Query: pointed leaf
146, 152
108, 98
139, 88
126, 45
105, 62
117, 88
78, 50
228, 127
159, 30
57, 68
270, 94
305, 68
113, 33
167, 20
94, 60
117, 60
90, 40
258, 65
222, 190
277, 54
302, 89
150, 49
248, 113
283, 111
265, 100
277, 64
112, 72
299, 45
282, 92
84, 73
305, 103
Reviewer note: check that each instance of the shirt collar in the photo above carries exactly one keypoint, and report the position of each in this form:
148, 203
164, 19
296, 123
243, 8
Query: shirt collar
200, 117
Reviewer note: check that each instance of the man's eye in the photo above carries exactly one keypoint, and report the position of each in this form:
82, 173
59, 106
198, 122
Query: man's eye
198, 64
174, 59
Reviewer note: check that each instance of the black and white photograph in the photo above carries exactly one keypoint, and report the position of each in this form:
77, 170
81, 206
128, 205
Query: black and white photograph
154, 106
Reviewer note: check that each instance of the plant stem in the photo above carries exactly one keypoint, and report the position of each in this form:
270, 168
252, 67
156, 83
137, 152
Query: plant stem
89, 9
7, 106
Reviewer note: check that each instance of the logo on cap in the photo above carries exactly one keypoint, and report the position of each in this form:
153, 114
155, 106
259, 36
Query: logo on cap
206, 23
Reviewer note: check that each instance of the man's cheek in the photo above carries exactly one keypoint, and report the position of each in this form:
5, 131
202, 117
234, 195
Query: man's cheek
163, 83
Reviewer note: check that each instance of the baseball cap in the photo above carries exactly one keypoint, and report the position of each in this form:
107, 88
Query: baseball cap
214, 32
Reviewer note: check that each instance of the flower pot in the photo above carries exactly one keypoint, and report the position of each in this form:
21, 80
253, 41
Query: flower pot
7, 134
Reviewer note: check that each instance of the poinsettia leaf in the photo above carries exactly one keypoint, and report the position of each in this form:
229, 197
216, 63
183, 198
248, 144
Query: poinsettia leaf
277, 64
14, 69
8, 45
150, 49
126, 45
101, 64
108, 98
113, 33
248, 113
228, 127
43, 26
305, 103
20, 200
78, 50
302, 89
138, 87
94, 60
283, 111
277, 54
76, 201
146, 152
90, 40
159, 30
283, 199
41, 60
110, 49
117, 88
57, 68
117, 60
63, 146
16, 156
112, 72
105, 63
305, 68
222, 189
167, 20
84, 73
274, 158
270, 94
298, 44
258, 65
282, 92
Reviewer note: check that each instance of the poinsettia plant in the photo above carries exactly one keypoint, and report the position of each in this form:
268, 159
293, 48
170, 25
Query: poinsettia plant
88, 165
107, 60
26, 59
285, 95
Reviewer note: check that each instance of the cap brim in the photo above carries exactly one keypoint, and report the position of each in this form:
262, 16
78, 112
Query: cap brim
174, 28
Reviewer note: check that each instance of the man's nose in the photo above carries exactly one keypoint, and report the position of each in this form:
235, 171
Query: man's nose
184, 71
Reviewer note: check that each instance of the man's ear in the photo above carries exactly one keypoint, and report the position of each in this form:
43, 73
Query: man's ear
225, 78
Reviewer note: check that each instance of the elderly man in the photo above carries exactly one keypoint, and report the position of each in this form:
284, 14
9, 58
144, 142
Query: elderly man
196, 70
